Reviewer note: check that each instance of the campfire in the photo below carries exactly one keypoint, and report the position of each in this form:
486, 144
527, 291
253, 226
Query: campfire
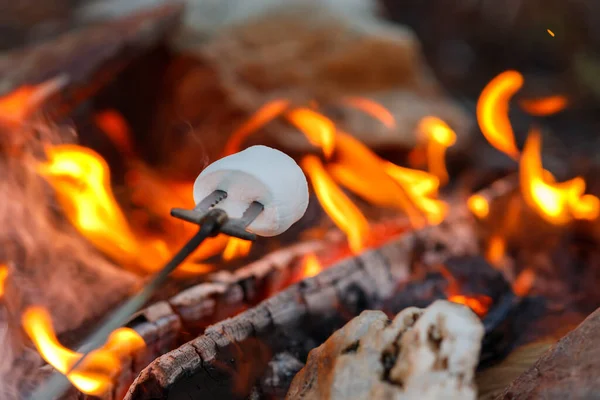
286, 207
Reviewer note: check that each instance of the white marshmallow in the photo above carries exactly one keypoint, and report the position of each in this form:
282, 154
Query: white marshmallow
258, 173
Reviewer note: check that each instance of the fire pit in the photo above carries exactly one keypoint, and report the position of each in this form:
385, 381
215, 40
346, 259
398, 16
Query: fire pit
443, 246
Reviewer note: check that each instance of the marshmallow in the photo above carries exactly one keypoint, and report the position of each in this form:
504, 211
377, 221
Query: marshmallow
261, 174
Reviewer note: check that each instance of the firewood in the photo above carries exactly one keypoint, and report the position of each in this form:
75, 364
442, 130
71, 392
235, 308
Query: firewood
568, 370
88, 58
296, 320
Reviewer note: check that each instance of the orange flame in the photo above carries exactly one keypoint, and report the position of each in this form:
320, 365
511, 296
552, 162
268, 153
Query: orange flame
439, 137
95, 375
496, 250
338, 206
544, 106
80, 178
311, 266
263, 116
3, 276
116, 128
236, 248
558, 203
16, 106
479, 206
492, 111
358, 169
422, 189
318, 129
480, 304
374, 109
524, 282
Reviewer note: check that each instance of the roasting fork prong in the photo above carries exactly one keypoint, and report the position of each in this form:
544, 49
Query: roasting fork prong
235, 227
211, 222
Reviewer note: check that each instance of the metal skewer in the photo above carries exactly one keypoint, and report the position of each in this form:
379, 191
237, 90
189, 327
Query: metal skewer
212, 221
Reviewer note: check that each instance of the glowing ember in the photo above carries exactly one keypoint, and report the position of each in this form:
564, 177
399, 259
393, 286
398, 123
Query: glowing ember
318, 129
492, 111
311, 266
439, 137
479, 206
557, 203
95, 375
524, 282
115, 127
496, 250
544, 106
550, 32
338, 206
479, 304
263, 116
236, 248
374, 109
3, 276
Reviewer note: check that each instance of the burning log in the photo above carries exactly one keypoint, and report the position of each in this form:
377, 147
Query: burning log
421, 354
89, 58
235, 352
567, 370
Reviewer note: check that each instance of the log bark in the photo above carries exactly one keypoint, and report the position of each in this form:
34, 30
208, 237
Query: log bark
227, 360
568, 370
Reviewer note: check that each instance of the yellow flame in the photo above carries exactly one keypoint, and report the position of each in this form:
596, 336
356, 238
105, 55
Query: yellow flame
338, 206
80, 178
439, 137
479, 206
492, 111
236, 248
263, 116
318, 129
558, 203
422, 189
374, 109
311, 266
95, 375
361, 171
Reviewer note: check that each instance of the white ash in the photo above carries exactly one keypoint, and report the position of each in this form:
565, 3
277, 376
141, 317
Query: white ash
427, 353
258, 173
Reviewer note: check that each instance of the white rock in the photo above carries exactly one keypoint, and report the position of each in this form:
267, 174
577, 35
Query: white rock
258, 173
